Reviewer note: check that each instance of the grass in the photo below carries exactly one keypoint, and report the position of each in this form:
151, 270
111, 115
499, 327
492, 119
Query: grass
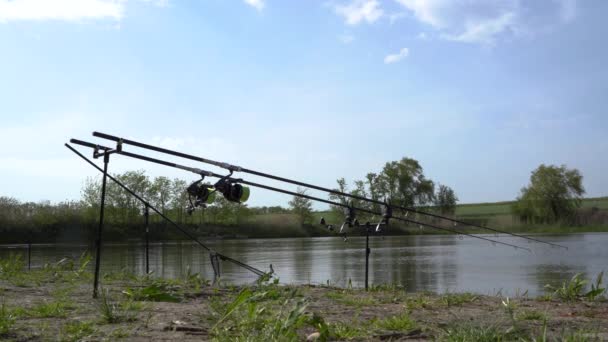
574, 289
531, 315
401, 322
343, 297
7, 319
345, 331
77, 330
50, 309
251, 316
456, 299
267, 311
116, 312
156, 292
466, 333
418, 301
484, 209
499, 208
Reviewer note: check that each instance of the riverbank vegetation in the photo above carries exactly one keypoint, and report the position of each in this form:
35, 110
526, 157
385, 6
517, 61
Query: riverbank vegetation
402, 181
54, 303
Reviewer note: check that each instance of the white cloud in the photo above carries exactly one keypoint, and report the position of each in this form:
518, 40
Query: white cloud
470, 21
360, 10
484, 31
396, 57
67, 10
486, 21
257, 4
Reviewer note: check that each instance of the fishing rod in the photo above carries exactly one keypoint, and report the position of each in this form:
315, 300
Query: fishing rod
233, 168
177, 226
387, 214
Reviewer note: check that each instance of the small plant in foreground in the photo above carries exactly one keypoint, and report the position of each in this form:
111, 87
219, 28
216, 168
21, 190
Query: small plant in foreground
386, 287
466, 333
531, 315
119, 333
112, 312
194, 280
573, 289
346, 331
345, 298
49, 309
76, 331
401, 322
7, 319
158, 291
11, 266
417, 302
543, 335
454, 299
252, 317
579, 336
596, 288
510, 307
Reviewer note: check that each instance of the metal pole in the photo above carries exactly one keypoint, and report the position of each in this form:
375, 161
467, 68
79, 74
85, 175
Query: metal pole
106, 160
367, 252
159, 213
146, 216
29, 255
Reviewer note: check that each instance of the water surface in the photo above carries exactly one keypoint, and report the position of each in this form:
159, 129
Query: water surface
436, 263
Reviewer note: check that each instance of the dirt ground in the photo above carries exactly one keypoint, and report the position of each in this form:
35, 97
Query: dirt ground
64, 310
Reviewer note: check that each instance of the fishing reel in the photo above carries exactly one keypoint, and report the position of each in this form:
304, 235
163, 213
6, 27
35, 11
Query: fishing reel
387, 213
203, 195
349, 221
349, 218
232, 191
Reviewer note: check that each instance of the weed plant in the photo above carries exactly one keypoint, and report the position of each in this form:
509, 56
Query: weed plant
77, 330
574, 289
456, 299
7, 319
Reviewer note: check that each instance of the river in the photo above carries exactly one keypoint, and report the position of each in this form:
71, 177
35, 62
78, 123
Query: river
437, 263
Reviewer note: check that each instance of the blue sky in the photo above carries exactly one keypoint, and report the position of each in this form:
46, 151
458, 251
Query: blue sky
480, 92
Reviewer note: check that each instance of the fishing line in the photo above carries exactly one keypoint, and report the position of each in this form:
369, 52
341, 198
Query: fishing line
287, 192
233, 168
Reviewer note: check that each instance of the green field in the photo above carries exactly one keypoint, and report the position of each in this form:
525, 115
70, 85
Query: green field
497, 215
488, 209
504, 208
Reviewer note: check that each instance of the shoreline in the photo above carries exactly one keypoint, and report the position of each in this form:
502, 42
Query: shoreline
428, 232
54, 303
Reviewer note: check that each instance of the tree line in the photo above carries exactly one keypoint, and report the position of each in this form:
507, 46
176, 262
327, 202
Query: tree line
553, 195
401, 183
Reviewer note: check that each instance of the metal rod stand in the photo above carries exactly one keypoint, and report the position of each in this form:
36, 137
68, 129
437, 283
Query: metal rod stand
215, 264
106, 160
146, 219
367, 253
29, 255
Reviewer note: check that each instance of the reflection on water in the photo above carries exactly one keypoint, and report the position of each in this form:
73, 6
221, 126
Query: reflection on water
434, 263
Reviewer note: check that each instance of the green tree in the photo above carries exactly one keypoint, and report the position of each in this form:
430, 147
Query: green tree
302, 207
403, 183
342, 187
445, 200
554, 194
179, 201
160, 192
